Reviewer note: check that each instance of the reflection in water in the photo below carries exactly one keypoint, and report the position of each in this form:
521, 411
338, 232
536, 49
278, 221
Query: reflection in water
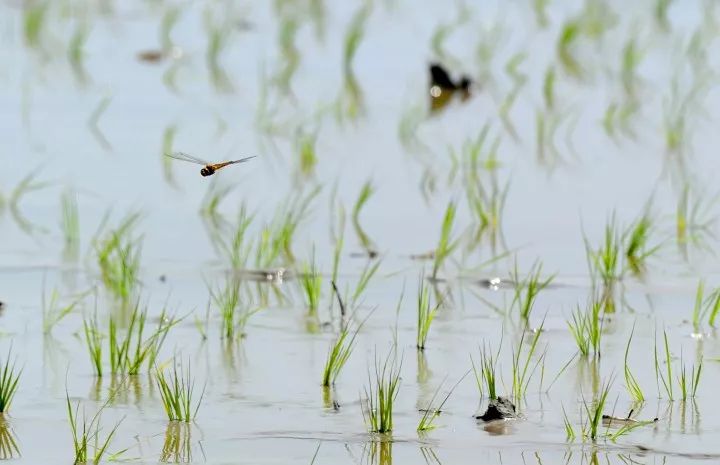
423, 369
8, 443
430, 456
350, 102
177, 447
498, 427
123, 389
233, 354
378, 452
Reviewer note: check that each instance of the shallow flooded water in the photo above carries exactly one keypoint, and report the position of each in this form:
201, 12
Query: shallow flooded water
583, 118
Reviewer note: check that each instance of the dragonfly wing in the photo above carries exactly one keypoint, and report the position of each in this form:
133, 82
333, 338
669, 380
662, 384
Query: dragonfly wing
243, 160
187, 157
217, 166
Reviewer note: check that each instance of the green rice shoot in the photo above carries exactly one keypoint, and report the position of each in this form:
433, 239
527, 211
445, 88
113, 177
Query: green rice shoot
177, 391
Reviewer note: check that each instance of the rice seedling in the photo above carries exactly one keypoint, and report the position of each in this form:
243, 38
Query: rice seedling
408, 127
637, 248
94, 120
425, 313
276, 238
527, 289
290, 54
694, 225
129, 351
218, 38
567, 41
446, 244
169, 20
34, 23
76, 52
519, 81
594, 411
23, 188
9, 379
713, 305
520, 376
444, 30
88, 444
580, 330
365, 276
340, 349
118, 257
93, 342
212, 199
630, 61
665, 378
70, 222
238, 248
53, 312
233, 314
569, 430
486, 374
176, 393
661, 16
311, 284
307, 155
549, 87
381, 394
350, 100
432, 411
338, 355
605, 261
540, 10
487, 209
631, 383
547, 125
366, 192
698, 309
689, 385
339, 243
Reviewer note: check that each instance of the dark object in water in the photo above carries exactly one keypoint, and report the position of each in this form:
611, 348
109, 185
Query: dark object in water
443, 87
610, 421
498, 409
2, 306
151, 56
441, 78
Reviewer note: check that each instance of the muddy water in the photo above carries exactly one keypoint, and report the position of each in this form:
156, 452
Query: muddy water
99, 130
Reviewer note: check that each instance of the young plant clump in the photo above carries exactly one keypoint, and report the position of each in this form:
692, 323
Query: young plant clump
9, 379
176, 392
381, 394
426, 314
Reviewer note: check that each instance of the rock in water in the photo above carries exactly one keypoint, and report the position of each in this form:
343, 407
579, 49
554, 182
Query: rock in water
498, 409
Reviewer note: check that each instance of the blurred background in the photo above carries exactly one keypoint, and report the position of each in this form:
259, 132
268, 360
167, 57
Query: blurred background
472, 143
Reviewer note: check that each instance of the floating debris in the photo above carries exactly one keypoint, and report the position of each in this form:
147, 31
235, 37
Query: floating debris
611, 421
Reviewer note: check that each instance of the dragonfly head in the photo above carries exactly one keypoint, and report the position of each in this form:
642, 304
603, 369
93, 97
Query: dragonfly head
207, 171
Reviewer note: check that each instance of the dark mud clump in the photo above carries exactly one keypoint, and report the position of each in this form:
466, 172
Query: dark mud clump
498, 409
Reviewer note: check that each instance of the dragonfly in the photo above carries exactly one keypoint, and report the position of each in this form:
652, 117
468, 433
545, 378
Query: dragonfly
209, 168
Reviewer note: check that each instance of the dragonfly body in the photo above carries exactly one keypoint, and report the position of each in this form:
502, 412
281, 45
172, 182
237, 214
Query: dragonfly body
210, 168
